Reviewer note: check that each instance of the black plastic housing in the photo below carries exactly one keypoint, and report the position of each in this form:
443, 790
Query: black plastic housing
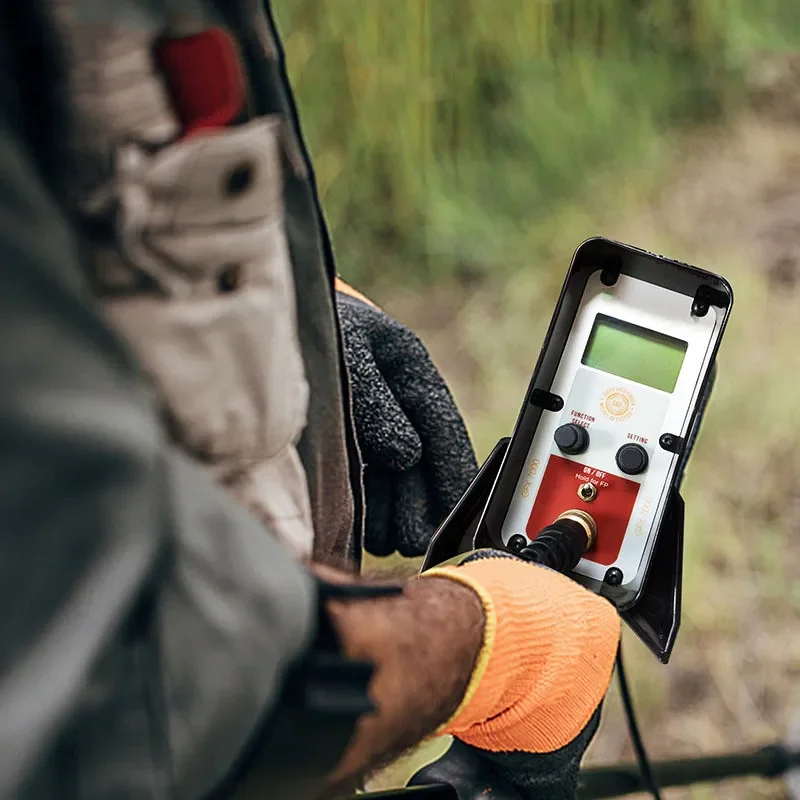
654, 612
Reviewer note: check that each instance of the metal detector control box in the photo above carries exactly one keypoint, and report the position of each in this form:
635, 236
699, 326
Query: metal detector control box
612, 411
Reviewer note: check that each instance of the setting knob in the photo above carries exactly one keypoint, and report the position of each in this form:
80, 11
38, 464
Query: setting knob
632, 459
571, 439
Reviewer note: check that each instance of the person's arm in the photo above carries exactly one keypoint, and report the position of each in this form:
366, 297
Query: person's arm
95, 510
424, 645
147, 618
78, 441
546, 650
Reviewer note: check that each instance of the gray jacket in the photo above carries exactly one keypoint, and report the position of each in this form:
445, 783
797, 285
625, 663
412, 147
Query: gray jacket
149, 618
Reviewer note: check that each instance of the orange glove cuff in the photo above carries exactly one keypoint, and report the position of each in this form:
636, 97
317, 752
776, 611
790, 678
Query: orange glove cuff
546, 661
346, 288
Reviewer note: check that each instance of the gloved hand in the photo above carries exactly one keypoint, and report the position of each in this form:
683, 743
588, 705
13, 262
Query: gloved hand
480, 775
417, 452
532, 705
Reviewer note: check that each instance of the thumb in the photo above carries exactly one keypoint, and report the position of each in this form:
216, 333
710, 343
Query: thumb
385, 434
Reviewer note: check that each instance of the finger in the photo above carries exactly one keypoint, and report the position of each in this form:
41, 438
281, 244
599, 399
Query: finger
379, 537
414, 517
385, 434
428, 404
472, 776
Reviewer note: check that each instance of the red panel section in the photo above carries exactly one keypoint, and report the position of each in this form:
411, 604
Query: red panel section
205, 79
611, 508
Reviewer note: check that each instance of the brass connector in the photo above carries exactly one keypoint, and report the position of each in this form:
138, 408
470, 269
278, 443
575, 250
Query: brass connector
585, 521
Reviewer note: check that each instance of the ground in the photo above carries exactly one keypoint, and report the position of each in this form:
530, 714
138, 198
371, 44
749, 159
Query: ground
730, 201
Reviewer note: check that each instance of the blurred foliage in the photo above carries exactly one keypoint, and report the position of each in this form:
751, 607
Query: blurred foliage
456, 139
445, 131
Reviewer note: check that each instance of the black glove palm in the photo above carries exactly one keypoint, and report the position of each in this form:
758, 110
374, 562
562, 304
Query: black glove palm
417, 452
478, 774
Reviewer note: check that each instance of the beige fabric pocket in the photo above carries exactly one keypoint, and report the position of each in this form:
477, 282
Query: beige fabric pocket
275, 491
202, 221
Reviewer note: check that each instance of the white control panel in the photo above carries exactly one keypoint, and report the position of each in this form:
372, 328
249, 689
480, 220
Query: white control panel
618, 402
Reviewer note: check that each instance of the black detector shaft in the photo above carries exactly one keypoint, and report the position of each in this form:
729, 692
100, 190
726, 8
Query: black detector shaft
438, 781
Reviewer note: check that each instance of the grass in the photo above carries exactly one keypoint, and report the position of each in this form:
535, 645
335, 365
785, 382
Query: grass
445, 132
463, 153
732, 682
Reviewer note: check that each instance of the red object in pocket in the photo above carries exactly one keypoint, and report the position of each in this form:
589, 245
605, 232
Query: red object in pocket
204, 77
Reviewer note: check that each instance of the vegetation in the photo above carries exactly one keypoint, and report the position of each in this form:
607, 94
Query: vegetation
446, 131
465, 147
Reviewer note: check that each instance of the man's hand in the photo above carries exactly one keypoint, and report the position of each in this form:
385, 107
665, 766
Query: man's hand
417, 453
505, 655
424, 646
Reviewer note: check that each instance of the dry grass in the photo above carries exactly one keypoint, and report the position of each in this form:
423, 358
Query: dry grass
441, 127
732, 204
472, 150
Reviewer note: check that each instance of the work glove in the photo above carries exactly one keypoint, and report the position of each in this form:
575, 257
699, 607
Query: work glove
417, 454
533, 701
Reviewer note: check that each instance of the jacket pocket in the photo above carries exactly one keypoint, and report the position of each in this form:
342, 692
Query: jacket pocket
202, 225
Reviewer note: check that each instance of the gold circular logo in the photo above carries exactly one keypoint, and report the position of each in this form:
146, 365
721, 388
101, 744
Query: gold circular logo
617, 404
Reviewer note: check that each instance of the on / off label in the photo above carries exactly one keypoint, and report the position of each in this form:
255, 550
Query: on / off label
594, 476
611, 508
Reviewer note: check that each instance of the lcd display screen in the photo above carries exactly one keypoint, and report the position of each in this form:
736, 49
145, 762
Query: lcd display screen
635, 353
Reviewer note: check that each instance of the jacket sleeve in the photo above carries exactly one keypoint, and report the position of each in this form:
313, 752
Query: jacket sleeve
94, 510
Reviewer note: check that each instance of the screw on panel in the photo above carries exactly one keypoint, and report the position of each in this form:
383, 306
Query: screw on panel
609, 276
671, 442
614, 577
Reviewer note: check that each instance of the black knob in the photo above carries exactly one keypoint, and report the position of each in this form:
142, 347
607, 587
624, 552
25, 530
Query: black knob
614, 577
571, 439
632, 459
517, 542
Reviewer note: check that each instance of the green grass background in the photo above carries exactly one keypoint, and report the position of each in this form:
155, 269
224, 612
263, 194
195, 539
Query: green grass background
463, 149
446, 132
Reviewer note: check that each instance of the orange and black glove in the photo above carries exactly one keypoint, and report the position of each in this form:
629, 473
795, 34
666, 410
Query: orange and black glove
532, 705
418, 457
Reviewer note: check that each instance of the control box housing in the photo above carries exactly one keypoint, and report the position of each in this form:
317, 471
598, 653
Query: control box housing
612, 410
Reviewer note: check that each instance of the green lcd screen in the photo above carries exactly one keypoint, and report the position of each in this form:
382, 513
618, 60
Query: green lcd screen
634, 353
